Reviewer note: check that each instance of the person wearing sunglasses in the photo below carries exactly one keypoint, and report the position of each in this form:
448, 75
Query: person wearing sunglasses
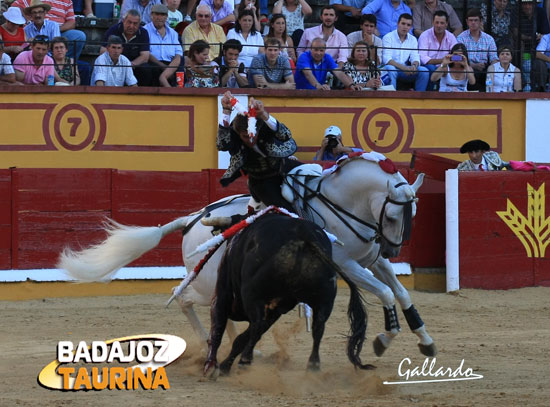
204, 29
34, 67
56, 12
39, 25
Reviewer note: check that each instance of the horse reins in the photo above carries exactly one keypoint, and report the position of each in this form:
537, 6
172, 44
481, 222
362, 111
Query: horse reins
337, 210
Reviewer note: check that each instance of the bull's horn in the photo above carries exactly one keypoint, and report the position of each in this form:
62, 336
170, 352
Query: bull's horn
217, 221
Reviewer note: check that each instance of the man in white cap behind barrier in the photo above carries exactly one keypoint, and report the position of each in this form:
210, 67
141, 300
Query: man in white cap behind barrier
331, 147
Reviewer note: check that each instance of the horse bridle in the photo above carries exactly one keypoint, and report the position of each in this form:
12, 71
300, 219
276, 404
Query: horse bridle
337, 210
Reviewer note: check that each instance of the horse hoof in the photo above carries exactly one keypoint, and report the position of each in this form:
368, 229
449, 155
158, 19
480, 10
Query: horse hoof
378, 346
428, 350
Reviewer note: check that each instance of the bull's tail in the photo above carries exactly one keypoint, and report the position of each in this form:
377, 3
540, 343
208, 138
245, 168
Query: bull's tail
357, 314
123, 245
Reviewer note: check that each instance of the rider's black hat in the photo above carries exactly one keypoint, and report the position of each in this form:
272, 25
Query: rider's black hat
474, 145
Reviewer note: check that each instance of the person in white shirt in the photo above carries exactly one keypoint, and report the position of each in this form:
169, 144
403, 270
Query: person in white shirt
401, 58
246, 34
112, 68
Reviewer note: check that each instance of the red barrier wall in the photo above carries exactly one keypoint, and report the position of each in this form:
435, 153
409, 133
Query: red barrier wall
44, 210
54, 208
491, 254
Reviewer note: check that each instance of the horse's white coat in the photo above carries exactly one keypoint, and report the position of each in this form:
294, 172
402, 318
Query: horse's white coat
360, 187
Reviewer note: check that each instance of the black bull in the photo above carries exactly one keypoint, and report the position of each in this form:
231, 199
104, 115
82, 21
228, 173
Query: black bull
266, 270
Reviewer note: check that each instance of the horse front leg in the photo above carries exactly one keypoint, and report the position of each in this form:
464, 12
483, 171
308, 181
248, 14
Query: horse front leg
383, 270
366, 280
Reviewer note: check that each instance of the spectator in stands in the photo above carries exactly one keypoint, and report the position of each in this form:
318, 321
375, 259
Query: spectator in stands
401, 58
434, 44
454, 72
35, 66
174, 15
135, 41
277, 29
250, 5
222, 11
143, 7
481, 159
271, 70
112, 68
12, 32
204, 29
542, 63
505, 77
232, 73
247, 35
39, 25
501, 13
336, 41
529, 26
64, 65
387, 13
366, 34
348, 13
62, 15
423, 14
165, 53
7, 74
480, 46
294, 11
362, 66
313, 66
332, 148
200, 72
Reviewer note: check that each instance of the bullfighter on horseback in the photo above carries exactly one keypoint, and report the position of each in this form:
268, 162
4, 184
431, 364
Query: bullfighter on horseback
260, 146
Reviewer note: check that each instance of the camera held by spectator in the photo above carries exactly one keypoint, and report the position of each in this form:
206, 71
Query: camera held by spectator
331, 147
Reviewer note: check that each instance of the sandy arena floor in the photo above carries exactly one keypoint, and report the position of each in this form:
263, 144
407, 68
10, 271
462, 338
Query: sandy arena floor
502, 335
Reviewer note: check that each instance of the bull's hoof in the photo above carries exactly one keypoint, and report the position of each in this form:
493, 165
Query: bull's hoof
244, 364
225, 368
428, 350
314, 366
378, 346
211, 370
367, 366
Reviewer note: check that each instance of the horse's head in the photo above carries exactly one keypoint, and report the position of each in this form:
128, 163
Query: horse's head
396, 211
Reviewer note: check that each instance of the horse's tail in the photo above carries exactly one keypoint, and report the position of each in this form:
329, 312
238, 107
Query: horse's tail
123, 245
357, 316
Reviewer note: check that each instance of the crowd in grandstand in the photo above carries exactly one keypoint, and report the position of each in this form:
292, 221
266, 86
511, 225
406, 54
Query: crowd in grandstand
358, 45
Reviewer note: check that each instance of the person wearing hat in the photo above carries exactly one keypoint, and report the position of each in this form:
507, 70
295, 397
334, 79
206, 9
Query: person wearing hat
142, 6
331, 147
12, 32
61, 15
265, 157
39, 25
481, 159
165, 52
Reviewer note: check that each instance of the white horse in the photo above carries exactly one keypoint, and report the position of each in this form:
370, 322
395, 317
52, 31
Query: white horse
368, 209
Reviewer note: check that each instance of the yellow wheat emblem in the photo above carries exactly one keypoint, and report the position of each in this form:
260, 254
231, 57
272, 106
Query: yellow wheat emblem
534, 230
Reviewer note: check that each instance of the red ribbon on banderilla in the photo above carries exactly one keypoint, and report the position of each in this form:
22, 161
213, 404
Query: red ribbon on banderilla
250, 114
215, 242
